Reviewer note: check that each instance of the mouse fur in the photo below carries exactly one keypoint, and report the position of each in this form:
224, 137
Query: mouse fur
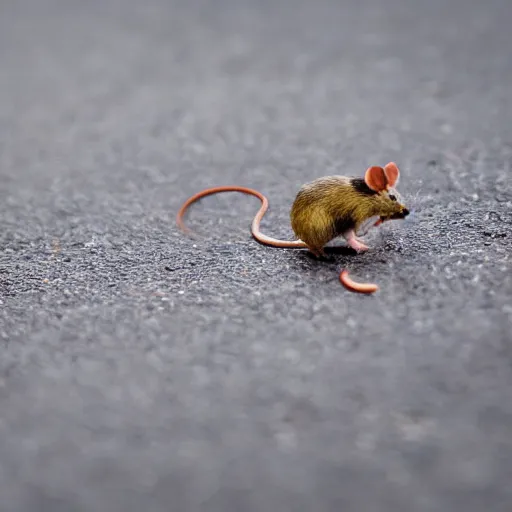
334, 206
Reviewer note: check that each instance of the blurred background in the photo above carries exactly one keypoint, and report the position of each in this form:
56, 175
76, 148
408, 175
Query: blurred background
143, 370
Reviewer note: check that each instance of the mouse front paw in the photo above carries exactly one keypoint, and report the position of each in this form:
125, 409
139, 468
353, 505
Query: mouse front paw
357, 245
354, 242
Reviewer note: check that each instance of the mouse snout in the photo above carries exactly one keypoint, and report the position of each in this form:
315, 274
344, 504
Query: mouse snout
401, 213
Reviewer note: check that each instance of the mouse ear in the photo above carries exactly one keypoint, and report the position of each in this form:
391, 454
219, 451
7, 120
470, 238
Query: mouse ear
392, 174
375, 178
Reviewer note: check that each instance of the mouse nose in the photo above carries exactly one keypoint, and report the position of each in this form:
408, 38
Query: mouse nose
405, 212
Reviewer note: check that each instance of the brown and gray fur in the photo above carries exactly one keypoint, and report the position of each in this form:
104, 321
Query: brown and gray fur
328, 207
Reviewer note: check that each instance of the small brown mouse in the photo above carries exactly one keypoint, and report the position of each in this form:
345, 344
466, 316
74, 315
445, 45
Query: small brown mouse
335, 206
327, 208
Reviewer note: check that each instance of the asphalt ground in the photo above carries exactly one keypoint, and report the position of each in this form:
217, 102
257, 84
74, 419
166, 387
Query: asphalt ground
142, 370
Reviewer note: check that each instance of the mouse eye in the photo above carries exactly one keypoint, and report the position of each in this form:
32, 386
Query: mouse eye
392, 197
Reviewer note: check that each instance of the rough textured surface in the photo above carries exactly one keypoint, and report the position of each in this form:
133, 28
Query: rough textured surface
142, 370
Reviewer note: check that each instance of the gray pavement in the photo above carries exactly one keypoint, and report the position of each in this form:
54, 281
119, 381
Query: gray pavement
145, 371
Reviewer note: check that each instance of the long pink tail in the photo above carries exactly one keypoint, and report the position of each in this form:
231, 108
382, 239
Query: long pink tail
255, 227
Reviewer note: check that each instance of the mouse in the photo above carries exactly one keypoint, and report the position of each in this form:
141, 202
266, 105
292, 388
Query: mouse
341, 206
326, 208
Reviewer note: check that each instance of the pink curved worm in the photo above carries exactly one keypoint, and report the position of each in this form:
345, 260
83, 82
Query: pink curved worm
353, 286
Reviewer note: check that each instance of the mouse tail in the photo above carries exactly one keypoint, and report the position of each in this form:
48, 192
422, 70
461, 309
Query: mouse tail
255, 226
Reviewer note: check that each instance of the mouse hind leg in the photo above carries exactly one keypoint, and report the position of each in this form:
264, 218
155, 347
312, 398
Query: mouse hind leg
314, 227
318, 252
316, 238
317, 241
315, 244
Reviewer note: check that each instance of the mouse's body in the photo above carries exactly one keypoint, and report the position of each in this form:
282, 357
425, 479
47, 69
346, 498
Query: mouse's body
334, 206
330, 207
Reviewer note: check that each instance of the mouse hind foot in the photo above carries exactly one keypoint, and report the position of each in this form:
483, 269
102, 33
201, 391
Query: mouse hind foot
318, 253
